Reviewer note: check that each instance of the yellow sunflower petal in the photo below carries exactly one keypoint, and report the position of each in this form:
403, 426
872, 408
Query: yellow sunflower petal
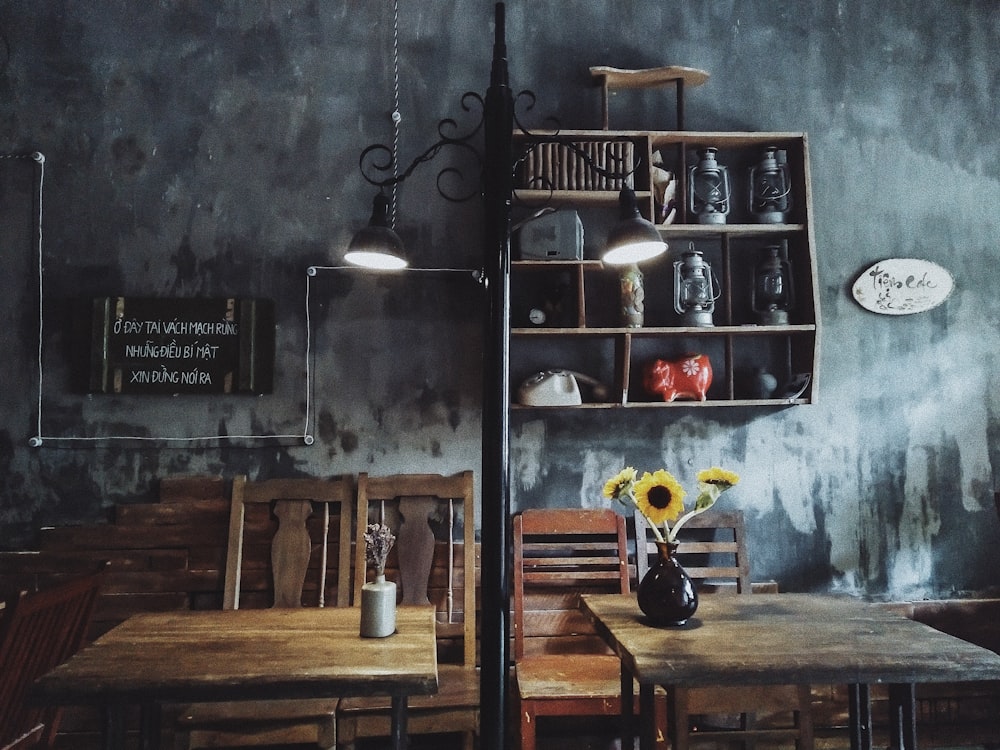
659, 496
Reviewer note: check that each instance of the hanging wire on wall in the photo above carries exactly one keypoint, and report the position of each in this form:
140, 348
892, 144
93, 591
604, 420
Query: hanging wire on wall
39, 158
371, 158
39, 438
313, 271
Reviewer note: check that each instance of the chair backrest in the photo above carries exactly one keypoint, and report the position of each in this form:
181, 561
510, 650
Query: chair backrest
276, 525
711, 547
424, 577
38, 631
559, 554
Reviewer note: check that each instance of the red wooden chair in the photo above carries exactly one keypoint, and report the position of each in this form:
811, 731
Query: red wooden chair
38, 631
562, 668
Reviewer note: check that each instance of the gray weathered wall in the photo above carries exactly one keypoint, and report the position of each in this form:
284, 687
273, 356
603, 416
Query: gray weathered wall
210, 149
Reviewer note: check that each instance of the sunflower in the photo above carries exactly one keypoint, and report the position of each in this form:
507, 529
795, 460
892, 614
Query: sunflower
720, 478
659, 496
619, 485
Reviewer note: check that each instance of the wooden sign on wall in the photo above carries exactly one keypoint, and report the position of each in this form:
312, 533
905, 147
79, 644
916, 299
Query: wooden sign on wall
166, 346
902, 286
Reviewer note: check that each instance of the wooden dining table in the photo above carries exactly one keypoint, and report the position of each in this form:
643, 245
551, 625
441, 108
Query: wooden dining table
244, 654
785, 639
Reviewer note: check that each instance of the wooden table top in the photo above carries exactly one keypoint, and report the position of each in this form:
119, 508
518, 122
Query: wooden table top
249, 654
786, 639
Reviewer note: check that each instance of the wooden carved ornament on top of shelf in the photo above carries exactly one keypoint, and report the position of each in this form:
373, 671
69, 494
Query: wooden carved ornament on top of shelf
618, 78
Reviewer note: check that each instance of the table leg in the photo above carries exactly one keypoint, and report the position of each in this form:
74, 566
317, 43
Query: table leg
398, 729
149, 726
628, 710
902, 716
647, 716
859, 707
677, 713
113, 726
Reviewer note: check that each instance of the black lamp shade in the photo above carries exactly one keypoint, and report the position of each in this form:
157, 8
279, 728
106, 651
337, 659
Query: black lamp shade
377, 246
633, 239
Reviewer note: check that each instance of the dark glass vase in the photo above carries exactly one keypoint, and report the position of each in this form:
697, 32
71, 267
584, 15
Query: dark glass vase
666, 593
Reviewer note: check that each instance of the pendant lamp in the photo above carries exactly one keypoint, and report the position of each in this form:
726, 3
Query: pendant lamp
633, 239
377, 246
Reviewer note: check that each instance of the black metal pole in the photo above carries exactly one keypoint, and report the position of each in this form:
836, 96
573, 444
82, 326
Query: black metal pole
495, 538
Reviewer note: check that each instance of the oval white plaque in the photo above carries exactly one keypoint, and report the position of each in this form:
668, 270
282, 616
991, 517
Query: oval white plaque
902, 286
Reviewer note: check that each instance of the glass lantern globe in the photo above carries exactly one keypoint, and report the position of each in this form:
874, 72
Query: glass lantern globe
695, 289
772, 295
708, 189
770, 193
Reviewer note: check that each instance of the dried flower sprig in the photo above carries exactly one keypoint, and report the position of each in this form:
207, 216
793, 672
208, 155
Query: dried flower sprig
378, 541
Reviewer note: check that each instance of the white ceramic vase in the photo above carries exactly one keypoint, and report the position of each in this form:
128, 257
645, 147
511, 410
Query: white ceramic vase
378, 608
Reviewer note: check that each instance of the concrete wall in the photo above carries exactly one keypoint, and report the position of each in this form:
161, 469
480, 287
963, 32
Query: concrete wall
210, 149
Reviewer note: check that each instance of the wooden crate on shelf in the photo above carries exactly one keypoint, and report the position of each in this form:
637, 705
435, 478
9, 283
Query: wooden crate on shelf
577, 166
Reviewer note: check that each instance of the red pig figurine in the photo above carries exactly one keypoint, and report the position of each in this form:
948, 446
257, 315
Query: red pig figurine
687, 377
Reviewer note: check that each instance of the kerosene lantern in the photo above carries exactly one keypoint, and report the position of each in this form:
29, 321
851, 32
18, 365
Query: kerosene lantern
708, 189
770, 191
695, 290
772, 295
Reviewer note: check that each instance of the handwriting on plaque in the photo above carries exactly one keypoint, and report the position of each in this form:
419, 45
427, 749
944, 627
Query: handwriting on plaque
167, 346
902, 286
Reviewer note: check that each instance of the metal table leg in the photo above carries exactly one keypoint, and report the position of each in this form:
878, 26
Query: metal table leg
628, 710
647, 714
902, 716
113, 726
859, 707
398, 730
149, 726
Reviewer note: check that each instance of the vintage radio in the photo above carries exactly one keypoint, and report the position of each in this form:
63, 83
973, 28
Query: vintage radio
557, 235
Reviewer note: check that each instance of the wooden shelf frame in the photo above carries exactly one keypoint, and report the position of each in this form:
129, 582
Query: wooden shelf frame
733, 248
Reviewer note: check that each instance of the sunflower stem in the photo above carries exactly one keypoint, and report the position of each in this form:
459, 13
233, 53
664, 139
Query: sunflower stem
656, 532
672, 533
649, 521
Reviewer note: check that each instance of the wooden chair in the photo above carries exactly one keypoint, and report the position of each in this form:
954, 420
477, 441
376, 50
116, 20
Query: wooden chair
455, 707
562, 668
712, 549
278, 525
38, 631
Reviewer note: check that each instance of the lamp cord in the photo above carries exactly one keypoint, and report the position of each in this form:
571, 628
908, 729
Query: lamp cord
396, 116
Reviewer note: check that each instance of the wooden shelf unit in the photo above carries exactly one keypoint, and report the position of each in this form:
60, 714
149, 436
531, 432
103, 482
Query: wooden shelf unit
586, 333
